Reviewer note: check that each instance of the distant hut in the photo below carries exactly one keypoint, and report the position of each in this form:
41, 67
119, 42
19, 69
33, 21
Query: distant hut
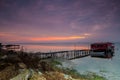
12, 47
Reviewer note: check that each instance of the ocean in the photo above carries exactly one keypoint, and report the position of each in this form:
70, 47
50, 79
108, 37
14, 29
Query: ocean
51, 47
109, 68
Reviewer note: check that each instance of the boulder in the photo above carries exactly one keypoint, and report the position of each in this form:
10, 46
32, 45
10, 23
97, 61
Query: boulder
22, 65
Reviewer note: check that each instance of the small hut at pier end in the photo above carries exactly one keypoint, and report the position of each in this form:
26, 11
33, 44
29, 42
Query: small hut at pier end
104, 49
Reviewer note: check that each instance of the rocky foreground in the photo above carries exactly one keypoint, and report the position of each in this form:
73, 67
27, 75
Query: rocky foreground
26, 66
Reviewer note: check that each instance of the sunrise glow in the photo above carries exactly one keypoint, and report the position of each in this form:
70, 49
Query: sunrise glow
57, 38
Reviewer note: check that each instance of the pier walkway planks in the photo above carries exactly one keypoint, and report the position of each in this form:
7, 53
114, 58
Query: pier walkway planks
72, 54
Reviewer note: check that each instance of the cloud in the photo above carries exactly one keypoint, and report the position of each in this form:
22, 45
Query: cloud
42, 18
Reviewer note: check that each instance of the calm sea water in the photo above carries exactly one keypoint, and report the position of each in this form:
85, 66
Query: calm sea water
51, 47
109, 68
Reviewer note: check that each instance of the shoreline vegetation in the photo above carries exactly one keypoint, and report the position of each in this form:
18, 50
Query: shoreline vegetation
27, 66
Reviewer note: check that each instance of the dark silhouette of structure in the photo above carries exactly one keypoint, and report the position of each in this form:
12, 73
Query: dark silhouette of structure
0, 46
105, 50
10, 47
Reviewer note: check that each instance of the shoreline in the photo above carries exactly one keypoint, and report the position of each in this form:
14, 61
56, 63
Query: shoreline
28, 62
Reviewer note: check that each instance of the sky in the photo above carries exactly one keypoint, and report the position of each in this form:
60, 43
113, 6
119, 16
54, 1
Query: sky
59, 21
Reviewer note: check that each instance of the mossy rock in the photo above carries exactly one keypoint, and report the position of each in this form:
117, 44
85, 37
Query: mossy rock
37, 76
8, 73
22, 76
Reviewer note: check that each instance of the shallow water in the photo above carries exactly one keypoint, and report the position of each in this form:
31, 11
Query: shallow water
109, 68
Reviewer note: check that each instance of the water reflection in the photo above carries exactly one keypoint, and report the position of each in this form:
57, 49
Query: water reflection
53, 47
105, 67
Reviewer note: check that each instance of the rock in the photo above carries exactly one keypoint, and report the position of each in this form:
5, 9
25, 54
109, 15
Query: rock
4, 57
8, 73
22, 76
22, 65
54, 76
68, 77
37, 76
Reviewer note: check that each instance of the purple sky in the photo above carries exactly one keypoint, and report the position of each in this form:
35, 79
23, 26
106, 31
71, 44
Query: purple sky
59, 20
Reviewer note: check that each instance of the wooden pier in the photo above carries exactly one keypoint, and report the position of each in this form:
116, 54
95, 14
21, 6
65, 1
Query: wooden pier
72, 54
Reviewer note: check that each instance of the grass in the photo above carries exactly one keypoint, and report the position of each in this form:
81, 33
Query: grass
94, 76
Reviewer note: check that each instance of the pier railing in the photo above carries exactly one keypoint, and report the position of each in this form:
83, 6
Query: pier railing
72, 54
